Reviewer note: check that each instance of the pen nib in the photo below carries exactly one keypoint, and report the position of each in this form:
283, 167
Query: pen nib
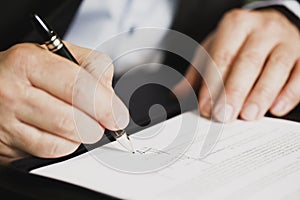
126, 143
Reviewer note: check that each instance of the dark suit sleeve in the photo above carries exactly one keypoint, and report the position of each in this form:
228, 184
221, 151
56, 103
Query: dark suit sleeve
15, 19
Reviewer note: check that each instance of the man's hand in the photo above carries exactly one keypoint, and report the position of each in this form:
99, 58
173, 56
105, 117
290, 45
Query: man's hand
258, 56
49, 105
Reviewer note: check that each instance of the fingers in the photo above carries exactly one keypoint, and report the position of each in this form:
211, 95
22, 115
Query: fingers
66, 81
223, 51
100, 102
40, 109
272, 79
96, 63
44, 69
191, 80
101, 68
289, 96
254, 64
49, 105
8, 152
41, 143
244, 72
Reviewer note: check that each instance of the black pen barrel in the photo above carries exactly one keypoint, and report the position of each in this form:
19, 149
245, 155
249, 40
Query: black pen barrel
64, 52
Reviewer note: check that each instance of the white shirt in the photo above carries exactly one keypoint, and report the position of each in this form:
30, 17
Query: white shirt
99, 20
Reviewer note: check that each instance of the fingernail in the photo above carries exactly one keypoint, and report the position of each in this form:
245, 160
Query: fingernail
224, 113
280, 107
205, 108
251, 112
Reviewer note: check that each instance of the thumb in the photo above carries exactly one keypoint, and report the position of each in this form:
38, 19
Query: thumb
189, 83
193, 76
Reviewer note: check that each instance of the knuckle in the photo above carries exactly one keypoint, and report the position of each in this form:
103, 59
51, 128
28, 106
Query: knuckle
98, 58
59, 148
291, 94
107, 76
19, 136
9, 95
223, 58
234, 92
108, 63
46, 148
72, 89
236, 15
106, 58
53, 150
5, 137
251, 57
5, 93
264, 93
271, 25
282, 60
20, 54
65, 124
24, 95
100, 65
78, 87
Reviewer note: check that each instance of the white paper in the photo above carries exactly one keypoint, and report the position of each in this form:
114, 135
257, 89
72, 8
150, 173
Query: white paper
252, 160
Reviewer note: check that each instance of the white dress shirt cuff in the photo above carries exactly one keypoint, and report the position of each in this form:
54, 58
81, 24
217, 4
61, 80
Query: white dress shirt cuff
292, 5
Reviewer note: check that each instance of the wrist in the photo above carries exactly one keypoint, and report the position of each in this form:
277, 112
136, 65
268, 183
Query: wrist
286, 12
289, 8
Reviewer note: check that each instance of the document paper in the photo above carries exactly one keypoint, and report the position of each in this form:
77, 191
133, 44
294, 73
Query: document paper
251, 160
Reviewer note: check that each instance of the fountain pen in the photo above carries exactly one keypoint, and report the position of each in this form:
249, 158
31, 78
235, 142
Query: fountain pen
55, 45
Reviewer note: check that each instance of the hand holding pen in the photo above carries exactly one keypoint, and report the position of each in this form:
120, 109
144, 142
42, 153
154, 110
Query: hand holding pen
36, 105
55, 45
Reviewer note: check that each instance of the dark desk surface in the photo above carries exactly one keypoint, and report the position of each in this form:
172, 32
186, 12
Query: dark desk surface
16, 182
